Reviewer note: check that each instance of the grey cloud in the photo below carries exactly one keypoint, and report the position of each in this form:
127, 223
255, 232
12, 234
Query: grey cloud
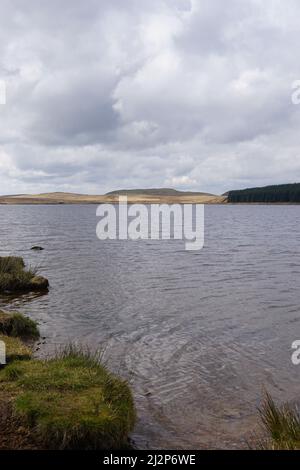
139, 93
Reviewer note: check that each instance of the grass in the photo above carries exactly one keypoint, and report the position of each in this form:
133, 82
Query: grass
15, 349
282, 425
71, 401
17, 325
14, 277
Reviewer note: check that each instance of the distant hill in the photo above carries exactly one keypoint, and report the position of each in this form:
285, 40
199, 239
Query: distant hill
156, 192
283, 193
141, 196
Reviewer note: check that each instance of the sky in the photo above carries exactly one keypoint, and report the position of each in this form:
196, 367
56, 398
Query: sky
189, 94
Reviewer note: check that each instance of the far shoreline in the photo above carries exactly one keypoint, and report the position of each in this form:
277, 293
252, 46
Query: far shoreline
146, 202
284, 194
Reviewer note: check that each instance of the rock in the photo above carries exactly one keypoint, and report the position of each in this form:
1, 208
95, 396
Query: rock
39, 283
37, 248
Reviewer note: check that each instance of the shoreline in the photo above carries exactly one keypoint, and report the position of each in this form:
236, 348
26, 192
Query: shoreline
224, 203
112, 200
139, 199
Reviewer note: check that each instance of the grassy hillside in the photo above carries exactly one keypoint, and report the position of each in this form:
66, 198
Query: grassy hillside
157, 192
141, 196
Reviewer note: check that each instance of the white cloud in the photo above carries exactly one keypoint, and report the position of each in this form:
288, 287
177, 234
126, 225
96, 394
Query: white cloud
179, 181
191, 94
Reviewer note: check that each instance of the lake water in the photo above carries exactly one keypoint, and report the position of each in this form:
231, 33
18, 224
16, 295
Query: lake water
199, 335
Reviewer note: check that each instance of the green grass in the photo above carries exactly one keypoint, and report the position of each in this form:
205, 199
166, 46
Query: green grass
14, 277
281, 425
71, 401
17, 325
15, 349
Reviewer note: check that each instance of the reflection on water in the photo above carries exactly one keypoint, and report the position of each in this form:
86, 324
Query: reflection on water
198, 334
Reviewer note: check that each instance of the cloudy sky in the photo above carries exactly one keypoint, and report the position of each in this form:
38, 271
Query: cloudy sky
192, 94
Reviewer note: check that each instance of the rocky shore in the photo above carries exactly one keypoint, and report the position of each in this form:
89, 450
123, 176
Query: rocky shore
70, 400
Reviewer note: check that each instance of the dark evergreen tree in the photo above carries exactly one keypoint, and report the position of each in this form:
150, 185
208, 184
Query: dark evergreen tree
267, 194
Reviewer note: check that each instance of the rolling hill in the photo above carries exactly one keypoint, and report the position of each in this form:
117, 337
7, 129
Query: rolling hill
142, 196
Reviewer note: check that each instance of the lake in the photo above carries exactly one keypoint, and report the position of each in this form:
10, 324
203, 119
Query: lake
199, 335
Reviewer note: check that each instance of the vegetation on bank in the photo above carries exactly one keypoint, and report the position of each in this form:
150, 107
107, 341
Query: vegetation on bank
284, 193
15, 278
281, 425
70, 401
16, 324
15, 327
15, 349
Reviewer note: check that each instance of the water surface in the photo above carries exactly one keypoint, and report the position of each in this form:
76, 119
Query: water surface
199, 335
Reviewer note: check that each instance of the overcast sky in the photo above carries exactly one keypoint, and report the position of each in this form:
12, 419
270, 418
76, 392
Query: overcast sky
191, 94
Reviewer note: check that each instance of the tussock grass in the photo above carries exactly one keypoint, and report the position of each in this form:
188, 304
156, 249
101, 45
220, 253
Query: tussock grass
71, 401
9, 264
282, 425
17, 325
75, 351
14, 277
15, 349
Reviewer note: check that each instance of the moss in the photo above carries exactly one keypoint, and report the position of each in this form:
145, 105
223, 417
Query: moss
16, 324
39, 283
14, 277
71, 401
15, 349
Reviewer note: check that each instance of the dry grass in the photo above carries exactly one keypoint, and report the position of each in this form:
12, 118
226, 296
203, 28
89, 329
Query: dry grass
67, 198
281, 425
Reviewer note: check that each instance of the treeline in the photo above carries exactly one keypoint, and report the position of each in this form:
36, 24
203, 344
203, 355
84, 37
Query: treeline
268, 194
